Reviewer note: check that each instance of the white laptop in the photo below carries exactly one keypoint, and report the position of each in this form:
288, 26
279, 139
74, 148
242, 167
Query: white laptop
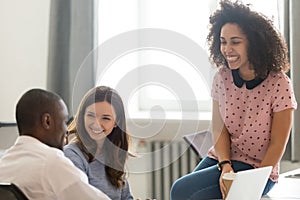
249, 184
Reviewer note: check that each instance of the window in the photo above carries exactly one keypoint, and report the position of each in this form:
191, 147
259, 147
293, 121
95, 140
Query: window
154, 54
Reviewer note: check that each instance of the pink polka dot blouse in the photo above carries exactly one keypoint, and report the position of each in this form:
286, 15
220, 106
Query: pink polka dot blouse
248, 113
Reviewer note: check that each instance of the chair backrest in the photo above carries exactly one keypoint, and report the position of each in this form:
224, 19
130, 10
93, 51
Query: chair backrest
200, 142
9, 191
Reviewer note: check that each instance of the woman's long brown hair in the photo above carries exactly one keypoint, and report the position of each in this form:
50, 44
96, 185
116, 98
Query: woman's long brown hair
115, 146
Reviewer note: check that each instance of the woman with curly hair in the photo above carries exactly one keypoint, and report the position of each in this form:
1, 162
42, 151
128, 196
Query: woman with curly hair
100, 145
253, 101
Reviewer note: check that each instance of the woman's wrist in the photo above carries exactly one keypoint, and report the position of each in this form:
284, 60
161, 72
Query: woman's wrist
227, 168
222, 163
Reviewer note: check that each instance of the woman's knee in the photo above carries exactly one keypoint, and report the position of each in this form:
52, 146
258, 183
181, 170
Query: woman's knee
177, 190
174, 190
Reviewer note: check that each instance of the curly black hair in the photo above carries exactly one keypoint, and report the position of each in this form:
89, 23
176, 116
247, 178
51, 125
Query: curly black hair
267, 49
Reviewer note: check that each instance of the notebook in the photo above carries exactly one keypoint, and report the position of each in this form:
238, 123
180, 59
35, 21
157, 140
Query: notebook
249, 184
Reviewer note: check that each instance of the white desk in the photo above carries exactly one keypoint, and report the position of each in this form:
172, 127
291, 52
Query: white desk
287, 188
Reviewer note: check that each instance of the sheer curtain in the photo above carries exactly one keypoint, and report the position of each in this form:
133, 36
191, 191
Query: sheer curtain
71, 40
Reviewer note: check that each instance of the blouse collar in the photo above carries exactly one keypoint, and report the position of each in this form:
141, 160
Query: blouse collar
239, 81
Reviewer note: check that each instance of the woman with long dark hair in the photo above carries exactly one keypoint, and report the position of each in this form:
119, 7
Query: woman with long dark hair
100, 145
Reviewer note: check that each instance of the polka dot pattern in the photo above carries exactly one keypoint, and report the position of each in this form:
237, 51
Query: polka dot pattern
248, 113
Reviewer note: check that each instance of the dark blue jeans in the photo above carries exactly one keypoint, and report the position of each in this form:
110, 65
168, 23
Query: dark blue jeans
203, 182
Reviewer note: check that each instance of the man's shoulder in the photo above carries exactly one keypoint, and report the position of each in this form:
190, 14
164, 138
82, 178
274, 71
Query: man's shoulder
57, 161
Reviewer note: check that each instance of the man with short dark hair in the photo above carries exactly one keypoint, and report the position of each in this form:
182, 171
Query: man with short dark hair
35, 163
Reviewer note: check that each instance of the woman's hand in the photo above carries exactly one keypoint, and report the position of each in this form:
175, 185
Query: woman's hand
225, 169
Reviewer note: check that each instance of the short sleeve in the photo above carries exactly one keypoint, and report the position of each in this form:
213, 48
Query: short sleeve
217, 86
283, 94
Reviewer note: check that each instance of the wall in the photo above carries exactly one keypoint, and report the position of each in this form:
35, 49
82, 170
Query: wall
23, 50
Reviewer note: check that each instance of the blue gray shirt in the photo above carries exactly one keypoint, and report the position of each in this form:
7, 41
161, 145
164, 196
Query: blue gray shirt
96, 174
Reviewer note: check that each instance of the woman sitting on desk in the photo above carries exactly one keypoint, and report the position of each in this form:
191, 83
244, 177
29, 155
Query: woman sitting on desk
253, 102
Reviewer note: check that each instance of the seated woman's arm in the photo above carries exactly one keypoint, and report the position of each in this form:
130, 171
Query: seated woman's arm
280, 131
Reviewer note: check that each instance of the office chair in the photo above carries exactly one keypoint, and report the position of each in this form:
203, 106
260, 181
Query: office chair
9, 191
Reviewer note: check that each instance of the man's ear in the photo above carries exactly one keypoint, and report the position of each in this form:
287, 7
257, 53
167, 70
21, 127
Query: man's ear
46, 121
